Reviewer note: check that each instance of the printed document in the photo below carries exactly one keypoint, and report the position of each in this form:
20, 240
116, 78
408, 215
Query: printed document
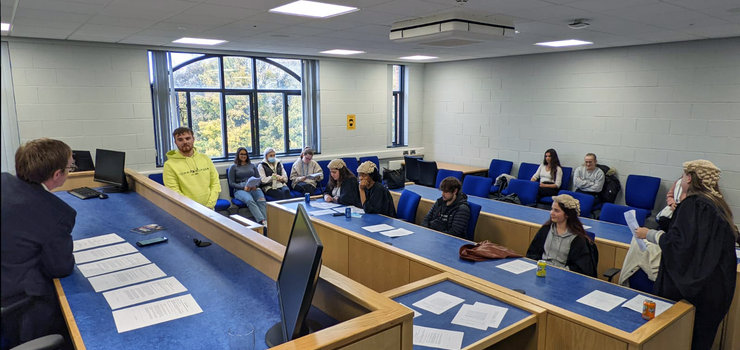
377, 228
143, 292
601, 300
416, 313
470, 316
636, 304
157, 312
397, 232
325, 205
629, 216
497, 311
125, 277
254, 182
438, 302
104, 252
113, 264
92, 242
517, 266
438, 338
321, 212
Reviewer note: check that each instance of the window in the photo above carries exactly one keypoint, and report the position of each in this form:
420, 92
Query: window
398, 119
230, 102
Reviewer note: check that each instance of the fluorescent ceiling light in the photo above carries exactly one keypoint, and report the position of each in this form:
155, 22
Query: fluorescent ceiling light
561, 43
418, 58
199, 41
342, 52
5, 27
313, 9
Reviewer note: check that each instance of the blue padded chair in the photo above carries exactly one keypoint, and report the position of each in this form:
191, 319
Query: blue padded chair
526, 170
412, 168
611, 212
445, 173
640, 191
157, 178
586, 200
564, 185
324, 164
234, 201
477, 185
352, 164
407, 205
373, 159
427, 173
474, 214
525, 189
496, 168
640, 281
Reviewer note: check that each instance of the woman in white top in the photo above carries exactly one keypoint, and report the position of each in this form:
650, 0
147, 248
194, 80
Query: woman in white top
549, 174
273, 176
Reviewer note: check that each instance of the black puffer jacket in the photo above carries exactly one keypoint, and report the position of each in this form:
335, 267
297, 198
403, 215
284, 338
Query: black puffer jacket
452, 219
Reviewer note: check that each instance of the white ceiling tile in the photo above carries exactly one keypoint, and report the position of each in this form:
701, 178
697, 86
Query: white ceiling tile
154, 9
61, 6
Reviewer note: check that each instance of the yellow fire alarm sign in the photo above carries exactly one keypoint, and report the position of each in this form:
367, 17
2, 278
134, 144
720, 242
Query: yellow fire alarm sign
351, 122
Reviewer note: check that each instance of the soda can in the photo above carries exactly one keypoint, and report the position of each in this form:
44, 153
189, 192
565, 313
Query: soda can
348, 212
541, 268
308, 198
648, 309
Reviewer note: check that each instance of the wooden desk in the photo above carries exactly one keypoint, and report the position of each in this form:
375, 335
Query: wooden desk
382, 264
366, 319
466, 169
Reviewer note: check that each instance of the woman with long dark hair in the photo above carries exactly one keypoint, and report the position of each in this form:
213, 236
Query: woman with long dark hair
698, 260
239, 173
562, 241
549, 174
343, 187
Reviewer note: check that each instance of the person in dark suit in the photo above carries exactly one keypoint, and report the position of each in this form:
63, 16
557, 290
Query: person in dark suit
36, 239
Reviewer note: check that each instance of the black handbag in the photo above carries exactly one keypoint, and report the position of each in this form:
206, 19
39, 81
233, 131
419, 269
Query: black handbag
395, 178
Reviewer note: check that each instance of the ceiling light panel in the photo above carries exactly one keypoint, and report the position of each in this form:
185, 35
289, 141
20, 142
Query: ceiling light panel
563, 43
199, 41
313, 9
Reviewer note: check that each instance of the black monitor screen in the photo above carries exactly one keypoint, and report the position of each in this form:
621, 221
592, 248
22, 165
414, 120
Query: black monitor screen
298, 275
109, 167
83, 160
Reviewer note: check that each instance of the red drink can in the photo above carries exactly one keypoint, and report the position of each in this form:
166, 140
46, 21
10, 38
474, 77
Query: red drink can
648, 309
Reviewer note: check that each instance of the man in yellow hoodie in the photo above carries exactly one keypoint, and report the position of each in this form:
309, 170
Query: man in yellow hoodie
190, 173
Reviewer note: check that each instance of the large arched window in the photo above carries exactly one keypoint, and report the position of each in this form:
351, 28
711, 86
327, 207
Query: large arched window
237, 101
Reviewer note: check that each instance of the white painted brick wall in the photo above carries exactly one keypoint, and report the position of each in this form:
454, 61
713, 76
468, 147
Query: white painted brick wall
90, 96
642, 109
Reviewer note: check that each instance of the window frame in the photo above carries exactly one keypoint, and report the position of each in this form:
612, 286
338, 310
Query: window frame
399, 108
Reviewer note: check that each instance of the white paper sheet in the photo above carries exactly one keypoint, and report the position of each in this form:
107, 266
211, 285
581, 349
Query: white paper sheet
377, 228
125, 277
586, 227
153, 313
517, 266
416, 313
321, 212
254, 182
636, 304
92, 242
113, 264
397, 232
356, 210
438, 338
601, 300
470, 316
498, 313
629, 216
324, 205
438, 302
737, 253
143, 292
103, 252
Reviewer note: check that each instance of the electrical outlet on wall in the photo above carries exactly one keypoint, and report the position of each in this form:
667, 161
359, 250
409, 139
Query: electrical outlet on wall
413, 151
405, 153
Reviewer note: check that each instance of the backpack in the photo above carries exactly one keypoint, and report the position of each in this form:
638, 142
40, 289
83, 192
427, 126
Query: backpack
394, 178
611, 185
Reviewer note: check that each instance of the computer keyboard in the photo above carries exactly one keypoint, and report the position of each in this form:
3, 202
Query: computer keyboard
84, 192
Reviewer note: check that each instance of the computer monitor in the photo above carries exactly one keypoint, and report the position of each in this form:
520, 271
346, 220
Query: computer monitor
296, 281
83, 160
109, 170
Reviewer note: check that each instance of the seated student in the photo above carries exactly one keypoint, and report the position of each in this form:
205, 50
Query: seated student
451, 212
189, 172
562, 241
375, 198
550, 174
241, 171
343, 187
273, 176
302, 169
589, 178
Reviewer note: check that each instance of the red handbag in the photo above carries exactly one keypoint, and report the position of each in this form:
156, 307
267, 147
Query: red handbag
486, 250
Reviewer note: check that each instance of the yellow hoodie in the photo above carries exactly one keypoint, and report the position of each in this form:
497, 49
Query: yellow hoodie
194, 177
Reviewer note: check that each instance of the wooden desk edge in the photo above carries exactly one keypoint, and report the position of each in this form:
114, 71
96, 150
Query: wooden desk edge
74, 331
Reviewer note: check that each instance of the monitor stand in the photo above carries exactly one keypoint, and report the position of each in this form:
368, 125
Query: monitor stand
274, 336
113, 189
